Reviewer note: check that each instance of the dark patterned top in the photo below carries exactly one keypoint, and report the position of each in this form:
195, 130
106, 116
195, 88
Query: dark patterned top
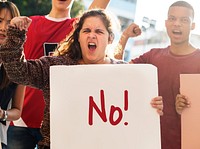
34, 73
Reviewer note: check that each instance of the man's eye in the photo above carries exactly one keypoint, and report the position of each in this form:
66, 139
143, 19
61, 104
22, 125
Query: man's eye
171, 19
185, 20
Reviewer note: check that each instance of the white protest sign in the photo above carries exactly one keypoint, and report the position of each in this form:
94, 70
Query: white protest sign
104, 107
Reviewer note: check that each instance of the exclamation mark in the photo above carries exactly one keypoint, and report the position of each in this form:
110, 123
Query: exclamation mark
126, 103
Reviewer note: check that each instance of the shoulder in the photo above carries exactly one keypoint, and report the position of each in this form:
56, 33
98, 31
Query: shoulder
151, 55
37, 17
159, 50
58, 60
36, 21
196, 53
156, 52
114, 61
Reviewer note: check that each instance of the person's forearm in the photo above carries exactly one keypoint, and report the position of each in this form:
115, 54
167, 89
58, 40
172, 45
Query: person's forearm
11, 49
99, 4
18, 70
17, 104
13, 114
10, 115
119, 50
132, 30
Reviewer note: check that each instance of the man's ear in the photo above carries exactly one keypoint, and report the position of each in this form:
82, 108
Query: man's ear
193, 26
111, 38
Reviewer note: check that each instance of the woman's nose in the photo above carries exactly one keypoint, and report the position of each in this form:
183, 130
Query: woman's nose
92, 35
3, 26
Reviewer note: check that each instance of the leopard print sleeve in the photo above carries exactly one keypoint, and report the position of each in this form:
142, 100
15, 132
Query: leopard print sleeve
12, 49
11, 54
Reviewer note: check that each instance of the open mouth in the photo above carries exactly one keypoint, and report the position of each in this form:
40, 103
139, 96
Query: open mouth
2, 36
176, 32
92, 46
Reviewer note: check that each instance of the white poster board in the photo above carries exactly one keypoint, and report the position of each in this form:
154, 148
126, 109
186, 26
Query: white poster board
104, 107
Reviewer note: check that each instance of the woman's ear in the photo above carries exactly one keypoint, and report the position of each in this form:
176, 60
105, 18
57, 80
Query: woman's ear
111, 38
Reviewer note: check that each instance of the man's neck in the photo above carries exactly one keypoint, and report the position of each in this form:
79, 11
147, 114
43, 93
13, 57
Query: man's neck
59, 14
182, 49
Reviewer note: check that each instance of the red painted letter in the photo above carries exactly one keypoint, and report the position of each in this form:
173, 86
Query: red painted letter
92, 105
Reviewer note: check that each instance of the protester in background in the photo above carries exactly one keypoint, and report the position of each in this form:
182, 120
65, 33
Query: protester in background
11, 94
86, 45
180, 57
43, 35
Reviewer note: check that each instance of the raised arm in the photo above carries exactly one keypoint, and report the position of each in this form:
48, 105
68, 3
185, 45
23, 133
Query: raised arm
132, 30
99, 4
11, 53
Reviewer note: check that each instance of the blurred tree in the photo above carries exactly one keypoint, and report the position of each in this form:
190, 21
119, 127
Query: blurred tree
33, 7
77, 7
43, 7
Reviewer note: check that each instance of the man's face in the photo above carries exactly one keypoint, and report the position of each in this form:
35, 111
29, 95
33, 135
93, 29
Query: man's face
179, 24
62, 4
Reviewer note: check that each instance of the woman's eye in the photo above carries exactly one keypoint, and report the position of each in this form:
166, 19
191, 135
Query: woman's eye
99, 32
86, 31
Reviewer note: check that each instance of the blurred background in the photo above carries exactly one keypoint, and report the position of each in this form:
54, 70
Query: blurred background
149, 15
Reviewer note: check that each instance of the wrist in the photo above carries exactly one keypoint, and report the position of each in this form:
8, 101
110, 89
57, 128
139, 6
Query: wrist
125, 35
4, 116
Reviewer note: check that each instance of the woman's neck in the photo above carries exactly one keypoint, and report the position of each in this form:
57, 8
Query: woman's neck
106, 60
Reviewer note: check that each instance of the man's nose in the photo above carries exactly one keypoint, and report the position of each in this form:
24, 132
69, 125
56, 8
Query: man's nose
178, 22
